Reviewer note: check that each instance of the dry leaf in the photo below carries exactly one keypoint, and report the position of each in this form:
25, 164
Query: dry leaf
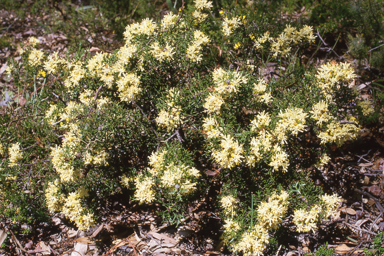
72, 233
95, 49
212, 173
163, 238
3, 236
344, 249
46, 249
365, 164
80, 249
375, 190
350, 211
84, 240
3, 68
22, 101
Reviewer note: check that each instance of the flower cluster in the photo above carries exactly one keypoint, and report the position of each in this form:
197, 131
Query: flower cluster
259, 146
229, 25
15, 154
270, 214
338, 133
172, 178
35, 57
168, 20
62, 156
146, 27
76, 74
162, 53
331, 202
306, 221
144, 189
366, 107
128, 87
200, 6
331, 75
194, 50
282, 45
211, 128
33, 41
259, 91
70, 206
170, 118
2, 151
252, 242
73, 210
261, 120
230, 153
53, 62
229, 204
227, 82
320, 113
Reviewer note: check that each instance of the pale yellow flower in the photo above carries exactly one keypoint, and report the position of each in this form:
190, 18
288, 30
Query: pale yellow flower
229, 25
129, 87
213, 103
228, 203
306, 221
144, 190
169, 20
331, 203
366, 107
35, 57
230, 154
270, 214
252, 242
203, 4
15, 154
162, 53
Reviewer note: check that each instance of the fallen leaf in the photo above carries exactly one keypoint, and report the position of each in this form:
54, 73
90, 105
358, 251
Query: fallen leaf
3, 68
212, 173
365, 164
95, 49
72, 233
350, 211
46, 249
344, 249
84, 240
3, 236
80, 249
375, 190
163, 237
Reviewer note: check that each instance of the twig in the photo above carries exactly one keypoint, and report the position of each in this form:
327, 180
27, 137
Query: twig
18, 243
318, 34
360, 229
354, 249
97, 92
327, 47
378, 205
348, 122
57, 96
362, 156
376, 47
277, 253
142, 112
173, 135
120, 244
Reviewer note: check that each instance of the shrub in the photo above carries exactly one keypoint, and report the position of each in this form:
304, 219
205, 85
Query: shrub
182, 98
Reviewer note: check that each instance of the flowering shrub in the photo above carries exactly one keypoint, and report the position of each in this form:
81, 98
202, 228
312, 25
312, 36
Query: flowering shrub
175, 101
